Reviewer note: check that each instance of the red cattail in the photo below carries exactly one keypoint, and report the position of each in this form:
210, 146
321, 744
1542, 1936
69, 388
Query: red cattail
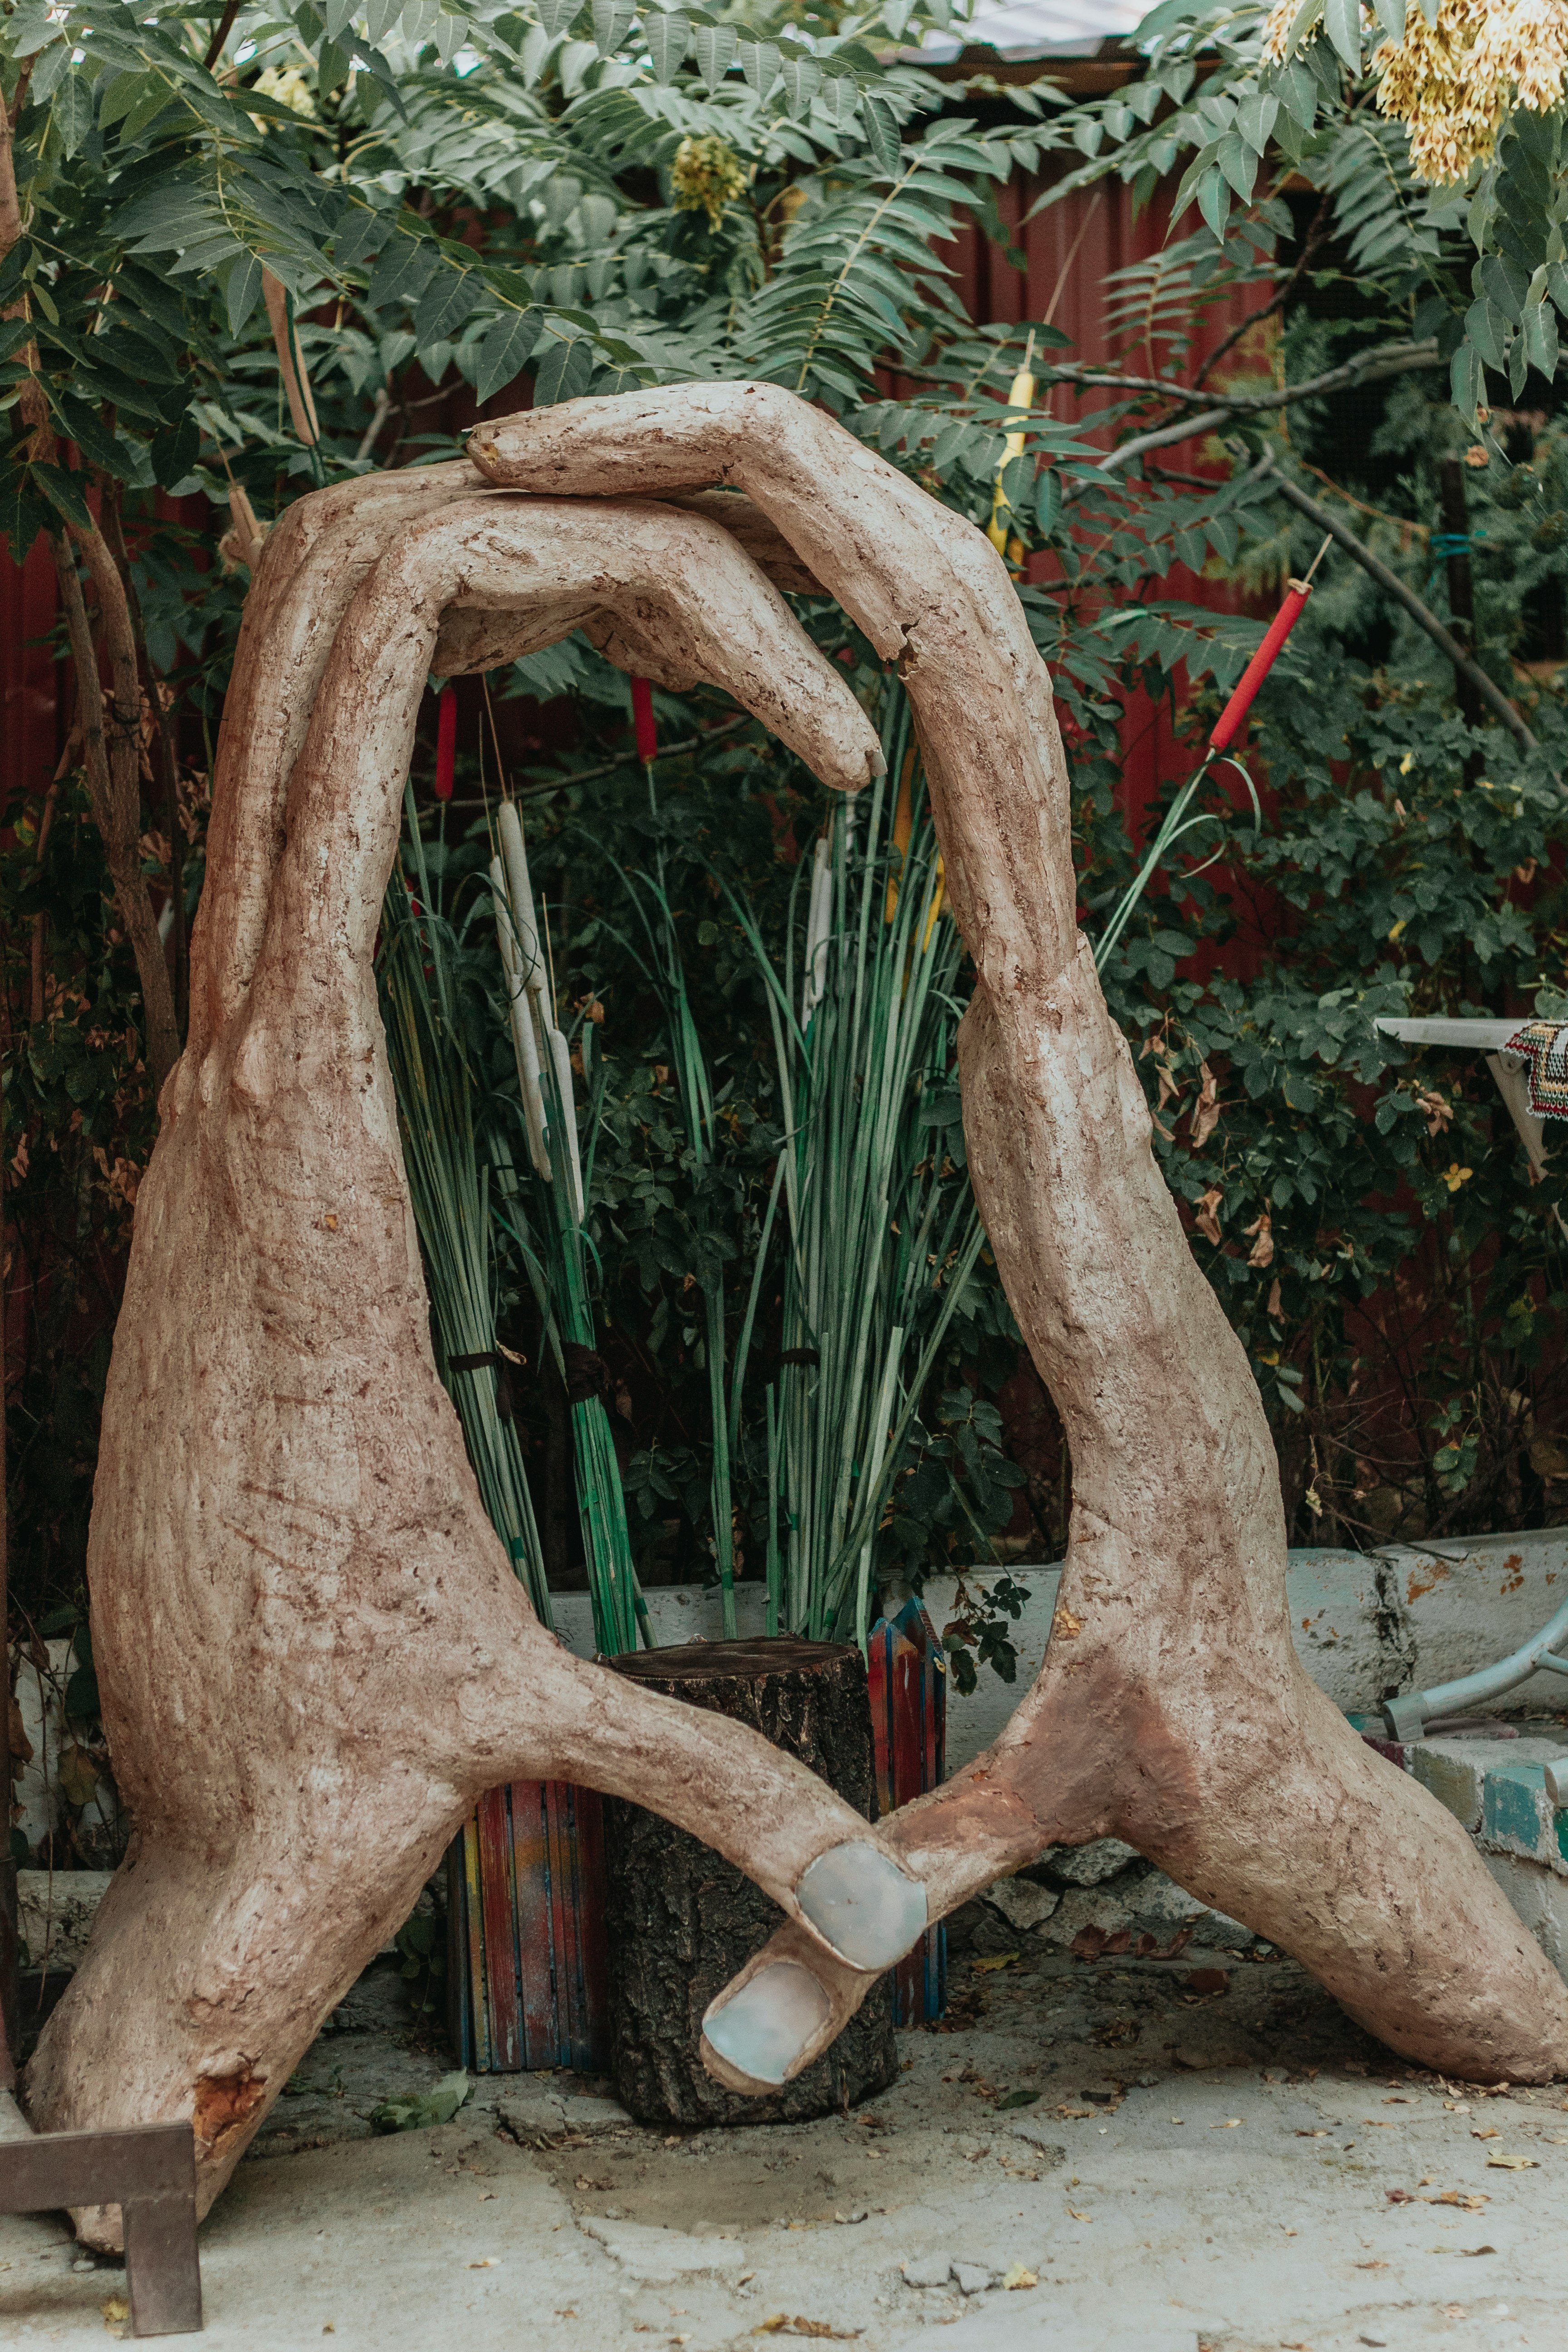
446, 742
1234, 715
1231, 718
642, 720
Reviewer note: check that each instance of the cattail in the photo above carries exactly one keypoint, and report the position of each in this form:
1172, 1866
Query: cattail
524, 1044
446, 742
1022, 396
1228, 725
818, 930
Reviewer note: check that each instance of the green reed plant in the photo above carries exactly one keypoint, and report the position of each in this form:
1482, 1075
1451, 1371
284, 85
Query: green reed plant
426, 1004
552, 1240
882, 1231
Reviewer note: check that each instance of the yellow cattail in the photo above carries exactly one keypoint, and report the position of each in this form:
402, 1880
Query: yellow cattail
903, 824
1021, 396
935, 903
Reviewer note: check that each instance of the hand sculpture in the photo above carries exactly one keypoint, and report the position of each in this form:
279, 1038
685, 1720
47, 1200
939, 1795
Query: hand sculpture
312, 1651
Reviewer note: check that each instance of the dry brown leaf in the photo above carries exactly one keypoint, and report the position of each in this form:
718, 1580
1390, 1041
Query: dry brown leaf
1261, 1253
1205, 1117
1499, 2162
997, 1961
1018, 2276
1205, 1216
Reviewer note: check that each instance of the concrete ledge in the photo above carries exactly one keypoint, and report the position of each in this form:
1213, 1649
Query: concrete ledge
1366, 1626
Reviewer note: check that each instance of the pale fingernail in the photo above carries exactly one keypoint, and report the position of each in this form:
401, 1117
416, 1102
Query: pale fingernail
770, 2021
859, 1901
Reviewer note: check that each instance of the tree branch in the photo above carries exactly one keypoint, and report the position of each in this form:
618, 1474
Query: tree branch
1369, 367
225, 27
1392, 585
1317, 231
112, 759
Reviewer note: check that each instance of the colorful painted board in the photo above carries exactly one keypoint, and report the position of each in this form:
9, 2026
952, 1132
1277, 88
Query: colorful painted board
525, 1928
907, 1678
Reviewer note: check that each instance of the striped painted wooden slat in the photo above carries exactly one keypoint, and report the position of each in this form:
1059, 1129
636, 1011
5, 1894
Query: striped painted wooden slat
526, 1931
907, 1674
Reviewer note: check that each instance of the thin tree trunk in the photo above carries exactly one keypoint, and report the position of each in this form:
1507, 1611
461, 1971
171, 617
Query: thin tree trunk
110, 744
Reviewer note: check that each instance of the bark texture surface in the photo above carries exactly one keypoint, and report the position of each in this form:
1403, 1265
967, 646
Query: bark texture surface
681, 1921
311, 1649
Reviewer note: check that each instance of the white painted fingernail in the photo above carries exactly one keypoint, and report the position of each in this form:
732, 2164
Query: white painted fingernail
859, 1901
769, 2022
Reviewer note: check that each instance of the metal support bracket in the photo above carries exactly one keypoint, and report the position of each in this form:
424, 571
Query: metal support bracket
149, 2172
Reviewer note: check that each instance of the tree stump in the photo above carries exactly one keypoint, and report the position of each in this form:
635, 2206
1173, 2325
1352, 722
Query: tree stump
681, 1921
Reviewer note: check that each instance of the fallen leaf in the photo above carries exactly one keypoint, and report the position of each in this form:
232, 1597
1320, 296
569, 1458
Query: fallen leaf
116, 2308
770, 2326
1487, 2131
1477, 2250
1499, 2162
1231, 2126
997, 1961
1017, 2275
1312, 2135
1401, 2197
490, 2262
487, 2197
1017, 2099
1079, 2217
1454, 2197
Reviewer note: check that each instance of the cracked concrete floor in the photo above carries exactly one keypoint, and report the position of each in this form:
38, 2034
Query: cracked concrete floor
1227, 2164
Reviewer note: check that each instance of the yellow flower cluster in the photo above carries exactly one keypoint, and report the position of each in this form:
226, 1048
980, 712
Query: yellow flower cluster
290, 86
706, 175
1453, 82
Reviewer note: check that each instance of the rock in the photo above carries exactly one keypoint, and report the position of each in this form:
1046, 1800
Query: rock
929, 2270
977, 1927
1022, 1904
1140, 1903
1086, 1866
658, 2255
971, 2279
535, 2113
55, 1912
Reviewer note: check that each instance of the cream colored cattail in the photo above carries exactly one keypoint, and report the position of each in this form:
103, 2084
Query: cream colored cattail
525, 1045
819, 929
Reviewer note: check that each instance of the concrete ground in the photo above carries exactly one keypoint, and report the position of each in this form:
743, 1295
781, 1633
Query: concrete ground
1164, 2155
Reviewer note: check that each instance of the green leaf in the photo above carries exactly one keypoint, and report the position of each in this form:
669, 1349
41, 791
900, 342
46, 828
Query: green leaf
1342, 22
63, 493
1541, 338
505, 352
450, 297
1255, 119
98, 445
612, 22
80, 1700
243, 290
566, 371
881, 130
668, 37
762, 64
556, 15
403, 272
122, 93
380, 17
335, 15
1214, 199
1390, 15
714, 47
1487, 330
1239, 162
72, 112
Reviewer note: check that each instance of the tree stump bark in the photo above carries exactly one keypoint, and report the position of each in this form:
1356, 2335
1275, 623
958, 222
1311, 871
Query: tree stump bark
681, 1921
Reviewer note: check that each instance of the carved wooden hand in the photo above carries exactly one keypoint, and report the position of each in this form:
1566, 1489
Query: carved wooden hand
312, 1651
